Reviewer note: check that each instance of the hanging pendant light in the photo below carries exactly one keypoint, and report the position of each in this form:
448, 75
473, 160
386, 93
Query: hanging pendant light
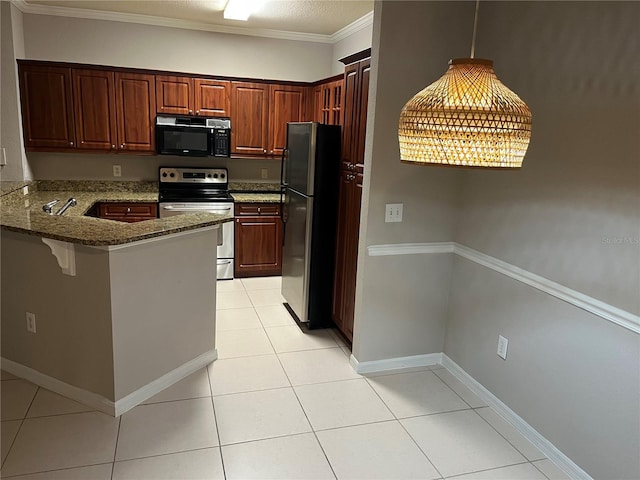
465, 118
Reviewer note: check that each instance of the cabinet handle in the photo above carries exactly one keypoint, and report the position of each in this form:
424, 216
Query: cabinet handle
128, 209
258, 209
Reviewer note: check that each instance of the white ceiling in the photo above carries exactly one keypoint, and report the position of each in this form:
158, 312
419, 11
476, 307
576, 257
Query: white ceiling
314, 19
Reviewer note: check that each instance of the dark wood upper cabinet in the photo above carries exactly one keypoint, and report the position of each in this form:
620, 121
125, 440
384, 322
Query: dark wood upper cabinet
249, 118
174, 95
95, 109
212, 98
136, 107
286, 104
47, 107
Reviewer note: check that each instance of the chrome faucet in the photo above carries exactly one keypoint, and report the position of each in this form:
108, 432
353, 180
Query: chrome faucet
47, 207
69, 203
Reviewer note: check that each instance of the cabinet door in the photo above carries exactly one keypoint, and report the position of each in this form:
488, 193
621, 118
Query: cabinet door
174, 95
95, 109
258, 242
364, 73
316, 104
286, 104
47, 106
336, 102
350, 109
212, 97
249, 127
136, 106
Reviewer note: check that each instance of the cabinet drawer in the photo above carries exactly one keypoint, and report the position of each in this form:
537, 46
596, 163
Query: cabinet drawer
128, 212
257, 209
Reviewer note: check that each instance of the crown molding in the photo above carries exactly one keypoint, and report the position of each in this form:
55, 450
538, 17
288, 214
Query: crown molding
355, 26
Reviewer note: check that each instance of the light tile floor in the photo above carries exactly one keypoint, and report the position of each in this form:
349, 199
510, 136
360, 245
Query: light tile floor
277, 404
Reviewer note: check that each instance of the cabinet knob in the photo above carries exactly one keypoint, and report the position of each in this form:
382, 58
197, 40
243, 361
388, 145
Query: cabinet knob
190, 111
122, 145
113, 146
82, 142
258, 209
128, 209
71, 143
197, 112
264, 151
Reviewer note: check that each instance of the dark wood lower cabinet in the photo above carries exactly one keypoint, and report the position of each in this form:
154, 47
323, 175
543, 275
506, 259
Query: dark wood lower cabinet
258, 240
127, 212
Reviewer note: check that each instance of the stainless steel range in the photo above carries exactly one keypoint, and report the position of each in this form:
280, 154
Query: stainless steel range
189, 190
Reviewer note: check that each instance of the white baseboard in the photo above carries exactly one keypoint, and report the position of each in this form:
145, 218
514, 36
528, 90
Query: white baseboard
101, 403
397, 363
545, 446
85, 397
150, 389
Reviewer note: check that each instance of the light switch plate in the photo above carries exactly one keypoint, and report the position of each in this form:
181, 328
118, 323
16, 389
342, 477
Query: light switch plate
503, 343
393, 212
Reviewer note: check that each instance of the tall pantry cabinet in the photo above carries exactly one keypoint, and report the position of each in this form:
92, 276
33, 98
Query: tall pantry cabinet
355, 98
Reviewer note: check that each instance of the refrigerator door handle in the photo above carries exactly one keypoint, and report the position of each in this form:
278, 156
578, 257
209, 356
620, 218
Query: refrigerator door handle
283, 170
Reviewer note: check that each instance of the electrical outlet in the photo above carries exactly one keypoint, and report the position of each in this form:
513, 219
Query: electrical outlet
264, 173
393, 212
3, 157
503, 343
31, 322
117, 171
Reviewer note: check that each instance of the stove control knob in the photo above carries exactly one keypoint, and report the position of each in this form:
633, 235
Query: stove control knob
215, 175
208, 175
164, 174
222, 175
172, 174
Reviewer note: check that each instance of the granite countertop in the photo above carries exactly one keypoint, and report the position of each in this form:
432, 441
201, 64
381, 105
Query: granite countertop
255, 192
23, 214
256, 197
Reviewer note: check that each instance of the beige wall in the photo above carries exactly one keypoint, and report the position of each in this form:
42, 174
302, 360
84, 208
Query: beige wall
62, 166
120, 323
11, 47
165, 48
356, 42
571, 215
73, 314
412, 323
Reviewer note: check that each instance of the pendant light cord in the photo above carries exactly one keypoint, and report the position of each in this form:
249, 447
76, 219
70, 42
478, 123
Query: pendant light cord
475, 29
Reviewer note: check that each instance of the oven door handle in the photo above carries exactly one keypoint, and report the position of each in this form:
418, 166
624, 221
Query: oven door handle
195, 209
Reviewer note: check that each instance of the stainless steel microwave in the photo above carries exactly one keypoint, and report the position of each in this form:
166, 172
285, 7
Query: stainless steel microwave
193, 136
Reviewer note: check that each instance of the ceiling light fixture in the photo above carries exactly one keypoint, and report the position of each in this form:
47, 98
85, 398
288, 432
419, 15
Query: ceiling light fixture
466, 118
240, 9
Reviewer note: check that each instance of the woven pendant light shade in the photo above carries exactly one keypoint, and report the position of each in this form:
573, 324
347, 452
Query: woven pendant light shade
465, 118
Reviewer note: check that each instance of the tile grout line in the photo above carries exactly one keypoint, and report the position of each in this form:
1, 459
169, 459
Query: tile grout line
505, 438
403, 428
21, 423
451, 388
486, 470
303, 411
115, 450
215, 421
537, 468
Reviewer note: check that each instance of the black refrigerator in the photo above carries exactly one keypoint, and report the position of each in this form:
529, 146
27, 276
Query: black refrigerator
310, 181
